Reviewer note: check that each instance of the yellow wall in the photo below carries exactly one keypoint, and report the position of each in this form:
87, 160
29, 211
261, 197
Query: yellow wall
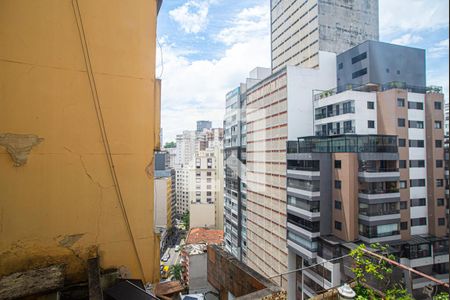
64, 201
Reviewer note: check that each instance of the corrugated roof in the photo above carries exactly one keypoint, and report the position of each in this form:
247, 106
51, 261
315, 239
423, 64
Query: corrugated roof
204, 236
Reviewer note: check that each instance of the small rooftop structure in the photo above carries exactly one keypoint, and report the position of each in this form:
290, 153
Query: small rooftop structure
204, 236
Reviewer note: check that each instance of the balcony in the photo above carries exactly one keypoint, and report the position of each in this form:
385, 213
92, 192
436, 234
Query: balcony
333, 113
376, 174
345, 144
337, 131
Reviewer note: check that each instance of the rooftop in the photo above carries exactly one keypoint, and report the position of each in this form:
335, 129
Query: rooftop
204, 236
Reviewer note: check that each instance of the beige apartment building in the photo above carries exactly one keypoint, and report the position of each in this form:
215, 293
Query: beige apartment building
79, 121
206, 189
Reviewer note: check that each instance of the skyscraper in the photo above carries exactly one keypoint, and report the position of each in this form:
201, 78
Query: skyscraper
300, 29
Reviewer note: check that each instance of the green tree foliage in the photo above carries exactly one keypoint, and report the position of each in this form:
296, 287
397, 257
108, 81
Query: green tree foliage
441, 296
185, 220
176, 272
170, 145
378, 269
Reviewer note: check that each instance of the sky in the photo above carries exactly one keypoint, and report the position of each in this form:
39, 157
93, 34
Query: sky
207, 47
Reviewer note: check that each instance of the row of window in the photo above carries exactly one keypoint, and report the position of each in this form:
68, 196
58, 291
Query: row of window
417, 105
418, 164
419, 183
417, 124
418, 143
420, 202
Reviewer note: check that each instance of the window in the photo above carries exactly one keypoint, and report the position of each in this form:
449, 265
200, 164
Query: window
208, 193
371, 124
358, 58
387, 70
417, 182
337, 204
208, 173
337, 225
439, 163
400, 102
416, 124
418, 222
398, 72
438, 143
403, 204
340, 66
337, 184
337, 164
439, 182
403, 184
403, 225
359, 73
441, 221
415, 105
438, 105
417, 164
401, 122
370, 105
437, 124
402, 164
416, 143
402, 142
440, 202
418, 202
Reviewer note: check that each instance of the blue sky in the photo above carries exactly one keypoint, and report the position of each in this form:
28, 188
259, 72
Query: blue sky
209, 46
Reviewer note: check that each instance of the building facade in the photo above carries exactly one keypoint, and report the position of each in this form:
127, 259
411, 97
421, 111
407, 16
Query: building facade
74, 182
197, 151
277, 107
373, 172
300, 29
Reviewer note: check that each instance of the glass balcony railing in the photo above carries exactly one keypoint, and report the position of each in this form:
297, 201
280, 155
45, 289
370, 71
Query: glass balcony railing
335, 112
344, 144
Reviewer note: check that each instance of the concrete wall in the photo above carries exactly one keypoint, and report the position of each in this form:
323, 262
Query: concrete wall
202, 215
301, 84
385, 63
228, 275
347, 23
64, 203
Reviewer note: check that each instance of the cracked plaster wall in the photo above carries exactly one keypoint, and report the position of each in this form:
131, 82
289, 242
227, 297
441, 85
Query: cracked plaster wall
62, 205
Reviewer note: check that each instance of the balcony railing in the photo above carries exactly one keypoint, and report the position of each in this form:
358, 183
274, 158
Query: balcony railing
379, 170
379, 235
337, 131
377, 88
335, 112
378, 191
344, 143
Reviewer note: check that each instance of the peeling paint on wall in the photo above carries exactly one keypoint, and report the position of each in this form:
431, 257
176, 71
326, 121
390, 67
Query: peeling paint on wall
19, 146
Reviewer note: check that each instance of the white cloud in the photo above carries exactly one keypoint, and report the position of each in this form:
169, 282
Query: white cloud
195, 90
439, 49
248, 23
412, 15
191, 16
407, 39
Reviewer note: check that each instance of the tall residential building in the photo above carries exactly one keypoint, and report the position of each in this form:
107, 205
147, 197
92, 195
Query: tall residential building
193, 146
278, 108
235, 144
76, 179
302, 28
372, 172
206, 189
